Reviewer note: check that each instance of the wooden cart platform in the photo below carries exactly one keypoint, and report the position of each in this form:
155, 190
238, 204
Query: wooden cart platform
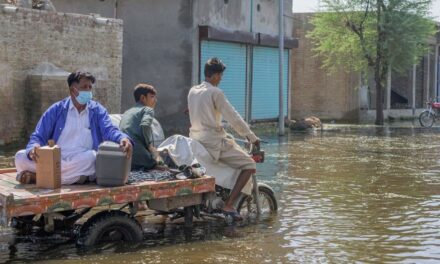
19, 200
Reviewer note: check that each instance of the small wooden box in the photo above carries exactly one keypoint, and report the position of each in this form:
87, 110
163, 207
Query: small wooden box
49, 167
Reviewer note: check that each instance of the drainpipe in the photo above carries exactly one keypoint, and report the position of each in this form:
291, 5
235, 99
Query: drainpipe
414, 90
251, 29
115, 10
281, 46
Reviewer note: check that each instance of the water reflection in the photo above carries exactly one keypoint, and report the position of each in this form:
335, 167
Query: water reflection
358, 195
349, 194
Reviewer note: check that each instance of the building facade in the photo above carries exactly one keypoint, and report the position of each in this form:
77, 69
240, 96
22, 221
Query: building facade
166, 44
328, 96
346, 96
38, 49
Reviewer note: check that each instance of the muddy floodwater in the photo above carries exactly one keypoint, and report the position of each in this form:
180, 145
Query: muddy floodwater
348, 194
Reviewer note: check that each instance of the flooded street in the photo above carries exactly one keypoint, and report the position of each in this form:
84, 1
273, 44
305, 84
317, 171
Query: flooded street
348, 194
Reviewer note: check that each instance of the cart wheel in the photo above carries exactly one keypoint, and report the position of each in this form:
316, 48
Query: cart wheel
189, 213
110, 226
269, 205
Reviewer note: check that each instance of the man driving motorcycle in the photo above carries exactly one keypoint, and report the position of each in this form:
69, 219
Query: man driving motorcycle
207, 106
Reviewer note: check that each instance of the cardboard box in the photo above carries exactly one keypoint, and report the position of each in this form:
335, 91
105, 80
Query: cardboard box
49, 167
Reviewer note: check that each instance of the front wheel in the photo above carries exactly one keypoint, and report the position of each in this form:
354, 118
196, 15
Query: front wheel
426, 119
269, 205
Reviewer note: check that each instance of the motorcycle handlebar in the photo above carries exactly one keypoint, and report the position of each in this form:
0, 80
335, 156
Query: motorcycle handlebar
254, 150
256, 153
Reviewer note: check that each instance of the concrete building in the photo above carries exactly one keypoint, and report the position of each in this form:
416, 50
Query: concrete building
344, 96
166, 44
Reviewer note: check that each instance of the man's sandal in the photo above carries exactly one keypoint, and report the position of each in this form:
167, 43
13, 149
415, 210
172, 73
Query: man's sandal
234, 215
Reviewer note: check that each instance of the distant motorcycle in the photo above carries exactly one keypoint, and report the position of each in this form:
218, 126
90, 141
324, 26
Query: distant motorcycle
428, 117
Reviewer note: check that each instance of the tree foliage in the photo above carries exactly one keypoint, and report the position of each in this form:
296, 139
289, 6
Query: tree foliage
378, 34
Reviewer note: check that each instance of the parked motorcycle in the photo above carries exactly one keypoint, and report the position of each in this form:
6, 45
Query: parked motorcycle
428, 117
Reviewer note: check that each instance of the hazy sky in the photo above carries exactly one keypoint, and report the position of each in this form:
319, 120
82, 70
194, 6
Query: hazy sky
300, 6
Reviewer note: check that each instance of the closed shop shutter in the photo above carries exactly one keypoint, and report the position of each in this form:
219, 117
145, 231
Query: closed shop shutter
233, 82
265, 83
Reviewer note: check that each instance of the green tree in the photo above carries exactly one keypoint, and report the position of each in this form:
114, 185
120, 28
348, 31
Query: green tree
372, 34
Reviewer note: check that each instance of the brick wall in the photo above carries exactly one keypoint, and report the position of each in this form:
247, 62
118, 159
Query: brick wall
68, 41
314, 91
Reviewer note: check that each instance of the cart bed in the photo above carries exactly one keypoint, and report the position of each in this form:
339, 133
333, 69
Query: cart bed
19, 200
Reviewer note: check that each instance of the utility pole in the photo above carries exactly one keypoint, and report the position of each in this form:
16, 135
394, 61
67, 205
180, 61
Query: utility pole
249, 69
281, 46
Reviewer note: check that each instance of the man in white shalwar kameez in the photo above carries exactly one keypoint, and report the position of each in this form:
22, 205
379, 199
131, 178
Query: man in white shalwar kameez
207, 106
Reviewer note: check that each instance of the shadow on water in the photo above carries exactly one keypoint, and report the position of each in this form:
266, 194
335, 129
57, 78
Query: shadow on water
346, 194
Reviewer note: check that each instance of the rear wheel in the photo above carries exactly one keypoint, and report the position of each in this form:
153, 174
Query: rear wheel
109, 227
247, 207
426, 119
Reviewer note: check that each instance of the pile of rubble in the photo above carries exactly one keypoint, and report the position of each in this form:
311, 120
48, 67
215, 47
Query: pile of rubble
311, 122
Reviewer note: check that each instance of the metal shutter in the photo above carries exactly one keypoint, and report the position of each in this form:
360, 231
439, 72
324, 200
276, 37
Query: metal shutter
233, 82
265, 83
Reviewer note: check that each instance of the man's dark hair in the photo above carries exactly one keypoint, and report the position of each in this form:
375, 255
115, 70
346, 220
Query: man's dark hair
143, 89
75, 77
213, 66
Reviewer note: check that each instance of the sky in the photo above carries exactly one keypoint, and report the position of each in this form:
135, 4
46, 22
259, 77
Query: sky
301, 6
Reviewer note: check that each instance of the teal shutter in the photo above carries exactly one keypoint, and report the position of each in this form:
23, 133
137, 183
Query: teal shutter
233, 82
265, 83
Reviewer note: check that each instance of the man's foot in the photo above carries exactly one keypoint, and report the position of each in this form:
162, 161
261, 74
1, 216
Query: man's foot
234, 215
26, 177
229, 211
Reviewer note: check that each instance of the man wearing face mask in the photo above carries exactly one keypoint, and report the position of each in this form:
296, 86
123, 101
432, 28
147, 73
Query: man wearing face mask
78, 125
137, 123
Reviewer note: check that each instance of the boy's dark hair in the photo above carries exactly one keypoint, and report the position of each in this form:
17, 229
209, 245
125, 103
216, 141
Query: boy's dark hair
213, 66
143, 89
74, 77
